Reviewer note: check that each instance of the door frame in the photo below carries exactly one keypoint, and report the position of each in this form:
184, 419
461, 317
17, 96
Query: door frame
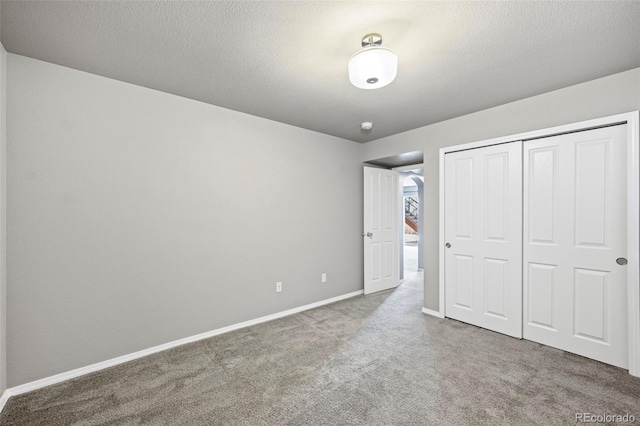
632, 119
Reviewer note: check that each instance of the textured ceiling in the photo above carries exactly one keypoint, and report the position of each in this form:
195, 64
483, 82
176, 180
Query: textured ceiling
287, 61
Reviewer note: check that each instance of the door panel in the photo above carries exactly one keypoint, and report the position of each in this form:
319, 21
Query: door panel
381, 232
575, 223
592, 161
542, 282
590, 315
543, 194
496, 176
496, 285
483, 225
463, 274
464, 198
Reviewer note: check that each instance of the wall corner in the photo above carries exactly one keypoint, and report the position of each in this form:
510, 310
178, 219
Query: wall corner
3, 219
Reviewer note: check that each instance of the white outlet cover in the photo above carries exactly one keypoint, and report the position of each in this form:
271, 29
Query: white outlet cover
324, 278
278, 286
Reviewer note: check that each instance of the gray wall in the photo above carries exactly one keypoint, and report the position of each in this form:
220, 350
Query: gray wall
3, 219
610, 95
125, 228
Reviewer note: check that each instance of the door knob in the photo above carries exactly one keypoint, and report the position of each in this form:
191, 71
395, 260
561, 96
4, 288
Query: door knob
447, 245
621, 261
367, 234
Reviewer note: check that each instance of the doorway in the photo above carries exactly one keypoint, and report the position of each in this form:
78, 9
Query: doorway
411, 214
407, 259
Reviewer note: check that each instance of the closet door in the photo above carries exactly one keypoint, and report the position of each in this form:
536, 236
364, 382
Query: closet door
483, 234
574, 235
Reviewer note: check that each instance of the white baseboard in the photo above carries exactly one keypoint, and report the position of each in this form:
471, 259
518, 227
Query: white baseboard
432, 313
37, 384
4, 398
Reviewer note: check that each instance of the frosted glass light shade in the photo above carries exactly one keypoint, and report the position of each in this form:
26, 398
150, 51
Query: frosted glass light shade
373, 67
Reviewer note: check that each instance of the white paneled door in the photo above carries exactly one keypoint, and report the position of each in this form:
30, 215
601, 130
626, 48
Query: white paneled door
381, 229
483, 234
575, 286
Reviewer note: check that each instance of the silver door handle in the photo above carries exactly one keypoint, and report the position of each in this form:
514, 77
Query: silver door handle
367, 234
621, 261
447, 245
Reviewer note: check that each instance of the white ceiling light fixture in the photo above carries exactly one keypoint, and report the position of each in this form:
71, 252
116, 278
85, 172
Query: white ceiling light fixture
374, 66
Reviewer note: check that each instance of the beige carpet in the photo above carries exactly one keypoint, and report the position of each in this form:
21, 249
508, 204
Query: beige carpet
370, 360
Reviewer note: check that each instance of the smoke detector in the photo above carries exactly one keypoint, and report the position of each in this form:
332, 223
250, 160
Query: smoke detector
366, 125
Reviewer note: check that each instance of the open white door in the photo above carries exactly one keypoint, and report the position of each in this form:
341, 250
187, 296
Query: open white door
483, 234
381, 233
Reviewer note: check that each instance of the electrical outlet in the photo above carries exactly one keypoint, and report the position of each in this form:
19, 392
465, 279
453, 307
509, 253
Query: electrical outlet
278, 286
323, 278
